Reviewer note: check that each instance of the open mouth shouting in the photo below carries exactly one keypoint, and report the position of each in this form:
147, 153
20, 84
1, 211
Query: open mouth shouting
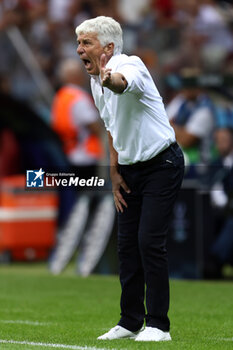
89, 50
91, 65
87, 63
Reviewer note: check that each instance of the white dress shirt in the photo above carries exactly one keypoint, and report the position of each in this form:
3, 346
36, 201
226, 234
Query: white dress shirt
136, 119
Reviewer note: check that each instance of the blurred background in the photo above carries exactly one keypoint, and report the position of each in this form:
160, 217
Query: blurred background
48, 121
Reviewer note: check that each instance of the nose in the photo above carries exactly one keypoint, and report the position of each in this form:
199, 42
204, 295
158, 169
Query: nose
80, 49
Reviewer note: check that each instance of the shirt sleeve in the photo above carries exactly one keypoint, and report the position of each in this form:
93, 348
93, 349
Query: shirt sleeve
134, 72
201, 123
84, 113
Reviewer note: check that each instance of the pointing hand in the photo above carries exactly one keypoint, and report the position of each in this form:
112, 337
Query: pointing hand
105, 73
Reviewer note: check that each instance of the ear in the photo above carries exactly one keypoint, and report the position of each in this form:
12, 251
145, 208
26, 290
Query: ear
108, 49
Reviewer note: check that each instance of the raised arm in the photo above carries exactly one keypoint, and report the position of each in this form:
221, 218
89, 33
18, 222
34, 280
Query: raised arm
113, 81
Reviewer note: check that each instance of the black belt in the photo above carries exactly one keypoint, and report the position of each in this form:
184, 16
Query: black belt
155, 160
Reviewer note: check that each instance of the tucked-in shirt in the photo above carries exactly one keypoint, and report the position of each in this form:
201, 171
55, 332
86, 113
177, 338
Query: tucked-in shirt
136, 118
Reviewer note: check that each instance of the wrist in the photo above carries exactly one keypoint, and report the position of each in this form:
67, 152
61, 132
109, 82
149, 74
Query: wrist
113, 171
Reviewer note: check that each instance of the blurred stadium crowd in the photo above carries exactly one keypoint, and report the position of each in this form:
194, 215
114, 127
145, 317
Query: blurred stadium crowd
169, 35
186, 44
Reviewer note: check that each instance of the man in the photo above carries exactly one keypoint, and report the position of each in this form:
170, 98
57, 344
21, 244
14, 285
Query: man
76, 120
146, 173
221, 175
192, 118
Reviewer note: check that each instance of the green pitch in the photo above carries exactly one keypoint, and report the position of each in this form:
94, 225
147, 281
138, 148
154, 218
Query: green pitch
40, 311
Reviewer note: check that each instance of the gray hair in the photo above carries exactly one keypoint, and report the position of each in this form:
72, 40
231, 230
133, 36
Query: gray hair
107, 29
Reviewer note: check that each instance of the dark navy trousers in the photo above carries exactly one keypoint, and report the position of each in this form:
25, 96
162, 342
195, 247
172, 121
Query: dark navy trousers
142, 236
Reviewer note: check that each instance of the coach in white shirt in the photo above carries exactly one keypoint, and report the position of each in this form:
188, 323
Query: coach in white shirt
146, 172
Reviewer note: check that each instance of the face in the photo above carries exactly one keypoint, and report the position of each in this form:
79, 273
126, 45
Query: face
224, 141
89, 50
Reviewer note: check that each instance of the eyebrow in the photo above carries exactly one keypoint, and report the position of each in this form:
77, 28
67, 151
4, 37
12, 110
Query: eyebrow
84, 40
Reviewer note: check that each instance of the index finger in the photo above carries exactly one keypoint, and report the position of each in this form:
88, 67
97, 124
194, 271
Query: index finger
125, 187
103, 61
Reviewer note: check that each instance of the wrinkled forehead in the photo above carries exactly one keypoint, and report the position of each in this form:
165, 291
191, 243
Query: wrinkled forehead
88, 35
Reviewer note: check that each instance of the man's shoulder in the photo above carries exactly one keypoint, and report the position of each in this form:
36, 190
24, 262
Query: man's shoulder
133, 59
123, 59
74, 91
